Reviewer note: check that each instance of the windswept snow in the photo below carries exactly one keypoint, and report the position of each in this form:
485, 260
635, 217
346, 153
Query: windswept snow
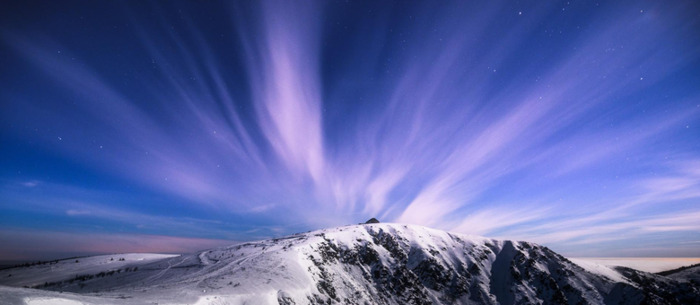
599, 269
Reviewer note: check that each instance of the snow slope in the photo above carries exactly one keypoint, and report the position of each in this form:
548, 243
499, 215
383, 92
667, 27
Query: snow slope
60, 270
647, 264
362, 264
600, 269
685, 274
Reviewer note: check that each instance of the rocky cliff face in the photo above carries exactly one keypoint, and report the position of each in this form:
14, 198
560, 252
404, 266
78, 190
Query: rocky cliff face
373, 264
396, 264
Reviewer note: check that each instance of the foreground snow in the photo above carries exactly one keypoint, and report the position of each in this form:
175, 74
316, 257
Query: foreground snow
363, 264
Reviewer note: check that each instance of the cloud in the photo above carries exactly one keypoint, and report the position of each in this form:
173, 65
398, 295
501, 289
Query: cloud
262, 208
31, 183
442, 119
593, 230
485, 222
284, 67
72, 212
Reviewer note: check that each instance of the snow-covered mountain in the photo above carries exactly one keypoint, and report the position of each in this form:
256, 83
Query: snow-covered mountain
362, 264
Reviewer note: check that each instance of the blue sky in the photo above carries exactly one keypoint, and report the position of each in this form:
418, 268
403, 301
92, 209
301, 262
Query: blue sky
176, 126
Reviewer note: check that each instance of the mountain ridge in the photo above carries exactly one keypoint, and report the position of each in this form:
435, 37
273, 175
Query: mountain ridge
381, 263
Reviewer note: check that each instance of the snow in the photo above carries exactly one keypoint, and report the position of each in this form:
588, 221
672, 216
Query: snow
688, 274
249, 299
24, 296
647, 264
295, 267
600, 269
69, 268
50, 301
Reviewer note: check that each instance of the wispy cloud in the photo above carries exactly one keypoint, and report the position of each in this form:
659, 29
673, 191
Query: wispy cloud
486, 221
31, 183
72, 212
655, 206
287, 87
467, 117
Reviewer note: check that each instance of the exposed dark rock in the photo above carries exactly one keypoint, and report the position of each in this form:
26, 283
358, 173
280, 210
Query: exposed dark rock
283, 298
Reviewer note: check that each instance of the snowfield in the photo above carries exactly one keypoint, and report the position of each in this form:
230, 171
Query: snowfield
65, 269
360, 264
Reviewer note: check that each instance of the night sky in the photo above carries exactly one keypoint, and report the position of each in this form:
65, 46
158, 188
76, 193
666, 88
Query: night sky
174, 126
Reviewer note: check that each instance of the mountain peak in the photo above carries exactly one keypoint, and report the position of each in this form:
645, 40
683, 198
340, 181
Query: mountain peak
372, 220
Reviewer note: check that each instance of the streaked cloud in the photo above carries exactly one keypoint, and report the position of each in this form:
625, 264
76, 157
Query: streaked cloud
566, 127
